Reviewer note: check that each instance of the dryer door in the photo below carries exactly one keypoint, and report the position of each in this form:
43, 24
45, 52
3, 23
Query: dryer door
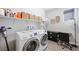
44, 39
31, 45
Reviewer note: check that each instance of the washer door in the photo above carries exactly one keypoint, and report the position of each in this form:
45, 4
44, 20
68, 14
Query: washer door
44, 40
31, 45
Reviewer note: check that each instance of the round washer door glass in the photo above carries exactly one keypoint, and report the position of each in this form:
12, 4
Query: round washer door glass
44, 39
31, 45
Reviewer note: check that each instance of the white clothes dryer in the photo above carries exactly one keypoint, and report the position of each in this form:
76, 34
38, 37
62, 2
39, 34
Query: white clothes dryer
43, 37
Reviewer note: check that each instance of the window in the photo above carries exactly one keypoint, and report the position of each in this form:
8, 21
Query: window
69, 14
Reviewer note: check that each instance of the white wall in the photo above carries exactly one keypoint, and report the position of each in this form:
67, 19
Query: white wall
16, 26
77, 23
55, 12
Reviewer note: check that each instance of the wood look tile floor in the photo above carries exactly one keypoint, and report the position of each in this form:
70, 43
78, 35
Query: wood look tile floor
52, 46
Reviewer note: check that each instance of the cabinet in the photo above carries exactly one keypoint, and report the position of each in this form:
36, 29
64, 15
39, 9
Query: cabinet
55, 36
52, 36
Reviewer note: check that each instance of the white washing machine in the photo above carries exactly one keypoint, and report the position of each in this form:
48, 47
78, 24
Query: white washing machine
42, 35
33, 40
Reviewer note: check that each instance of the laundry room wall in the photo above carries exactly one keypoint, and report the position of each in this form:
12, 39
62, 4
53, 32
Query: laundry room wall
76, 18
77, 27
17, 25
55, 12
